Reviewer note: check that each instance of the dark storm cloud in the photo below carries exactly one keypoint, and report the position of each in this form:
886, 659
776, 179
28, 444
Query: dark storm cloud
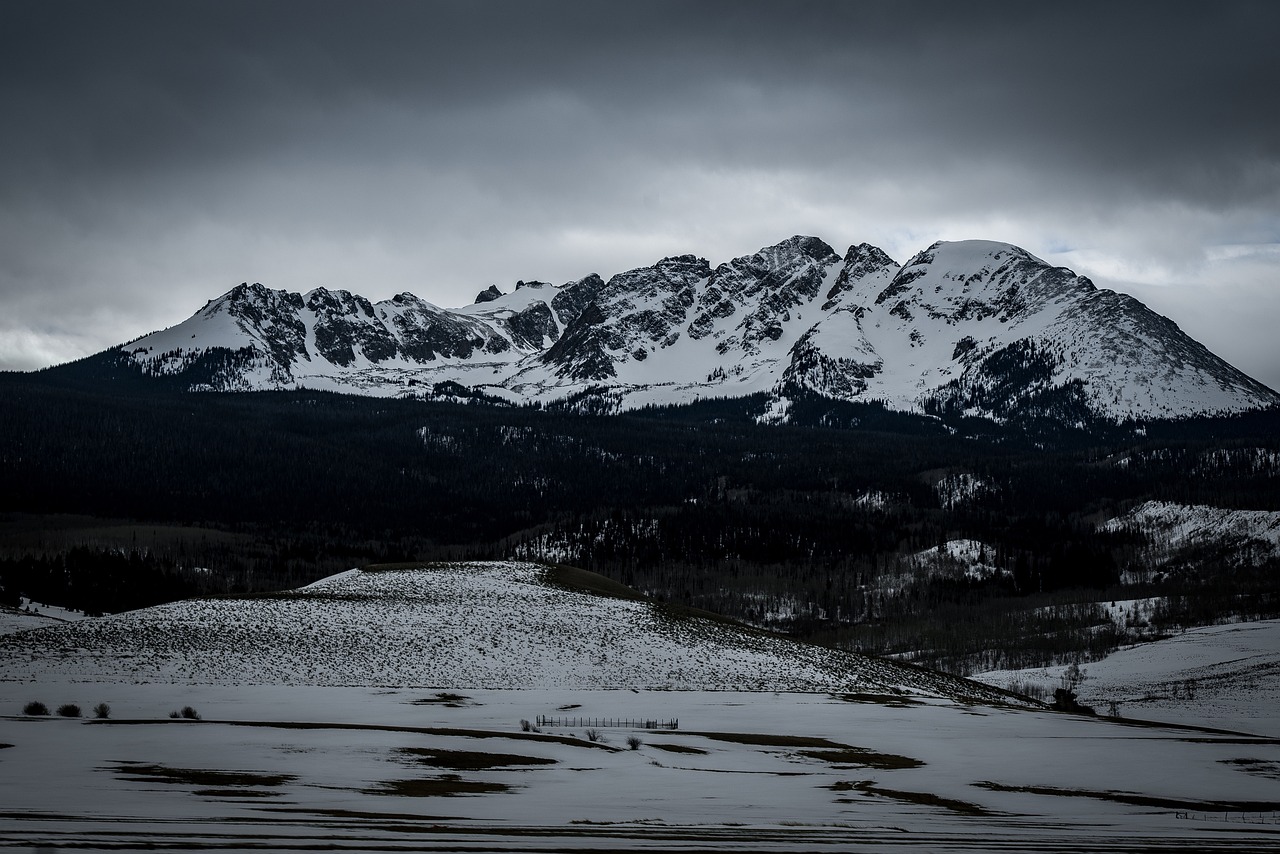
1172, 95
156, 153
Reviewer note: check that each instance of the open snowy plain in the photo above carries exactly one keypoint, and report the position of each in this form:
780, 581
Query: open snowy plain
842, 754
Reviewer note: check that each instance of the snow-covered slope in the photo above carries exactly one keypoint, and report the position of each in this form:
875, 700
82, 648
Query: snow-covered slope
1224, 676
972, 327
1190, 533
472, 625
970, 559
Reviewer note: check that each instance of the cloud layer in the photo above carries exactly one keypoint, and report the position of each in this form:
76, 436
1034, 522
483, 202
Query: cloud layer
156, 154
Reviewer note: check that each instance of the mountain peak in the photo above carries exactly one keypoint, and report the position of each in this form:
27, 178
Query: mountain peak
977, 327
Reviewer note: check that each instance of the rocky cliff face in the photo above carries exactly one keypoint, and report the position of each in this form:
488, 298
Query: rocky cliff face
974, 327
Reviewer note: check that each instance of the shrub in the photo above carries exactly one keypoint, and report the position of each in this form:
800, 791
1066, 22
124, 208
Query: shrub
69, 710
595, 735
35, 707
525, 726
1072, 677
190, 714
633, 742
102, 711
1028, 688
175, 714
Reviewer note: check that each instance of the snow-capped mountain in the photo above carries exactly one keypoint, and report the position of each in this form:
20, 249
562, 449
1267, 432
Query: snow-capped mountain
973, 327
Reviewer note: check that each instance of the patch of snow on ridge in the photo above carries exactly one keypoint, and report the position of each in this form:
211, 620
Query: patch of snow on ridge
971, 558
464, 625
958, 489
879, 500
778, 412
1251, 460
1172, 528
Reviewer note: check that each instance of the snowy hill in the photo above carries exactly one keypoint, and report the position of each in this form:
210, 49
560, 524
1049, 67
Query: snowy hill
472, 625
1225, 676
974, 327
1188, 535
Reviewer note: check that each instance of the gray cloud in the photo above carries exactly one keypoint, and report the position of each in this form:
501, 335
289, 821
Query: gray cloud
157, 153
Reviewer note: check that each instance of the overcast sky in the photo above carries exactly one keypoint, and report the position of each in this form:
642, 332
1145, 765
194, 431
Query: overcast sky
153, 155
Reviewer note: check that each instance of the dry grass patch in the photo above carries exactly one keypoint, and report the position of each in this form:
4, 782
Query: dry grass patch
769, 740
471, 760
1256, 767
829, 751
444, 698
236, 794
864, 758
868, 788
893, 701
680, 748
417, 730
444, 786
1137, 800
137, 772
584, 581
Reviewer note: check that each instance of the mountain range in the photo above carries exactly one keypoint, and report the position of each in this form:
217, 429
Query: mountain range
973, 328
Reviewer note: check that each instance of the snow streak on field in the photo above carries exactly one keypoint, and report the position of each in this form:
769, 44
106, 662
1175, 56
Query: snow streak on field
475, 625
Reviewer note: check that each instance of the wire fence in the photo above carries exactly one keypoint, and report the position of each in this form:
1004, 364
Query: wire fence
609, 723
1241, 817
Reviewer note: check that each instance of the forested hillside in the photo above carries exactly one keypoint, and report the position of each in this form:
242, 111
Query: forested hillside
839, 533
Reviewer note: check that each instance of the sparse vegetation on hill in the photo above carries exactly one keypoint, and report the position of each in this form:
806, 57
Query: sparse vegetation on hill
468, 625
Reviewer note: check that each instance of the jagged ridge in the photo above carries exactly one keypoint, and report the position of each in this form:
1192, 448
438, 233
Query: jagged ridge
972, 328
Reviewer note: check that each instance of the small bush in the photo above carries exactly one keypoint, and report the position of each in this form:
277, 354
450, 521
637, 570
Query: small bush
35, 707
525, 726
102, 711
633, 742
190, 714
69, 710
1028, 688
596, 735
175, 714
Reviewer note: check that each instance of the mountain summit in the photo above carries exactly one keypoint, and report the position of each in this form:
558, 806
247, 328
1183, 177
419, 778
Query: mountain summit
972, 327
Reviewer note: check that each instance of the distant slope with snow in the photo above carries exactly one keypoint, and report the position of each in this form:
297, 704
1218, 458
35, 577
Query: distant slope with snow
1225, 676
470, 625
15, 620
1182, 533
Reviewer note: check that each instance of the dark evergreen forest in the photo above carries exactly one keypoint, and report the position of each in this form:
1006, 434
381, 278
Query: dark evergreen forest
119, 495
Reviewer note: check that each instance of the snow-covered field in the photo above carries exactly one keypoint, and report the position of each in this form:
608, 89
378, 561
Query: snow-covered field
292, 760
296, 768
15, 620
34, 615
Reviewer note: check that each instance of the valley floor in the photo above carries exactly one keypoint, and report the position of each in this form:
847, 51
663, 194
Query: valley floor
389, 769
